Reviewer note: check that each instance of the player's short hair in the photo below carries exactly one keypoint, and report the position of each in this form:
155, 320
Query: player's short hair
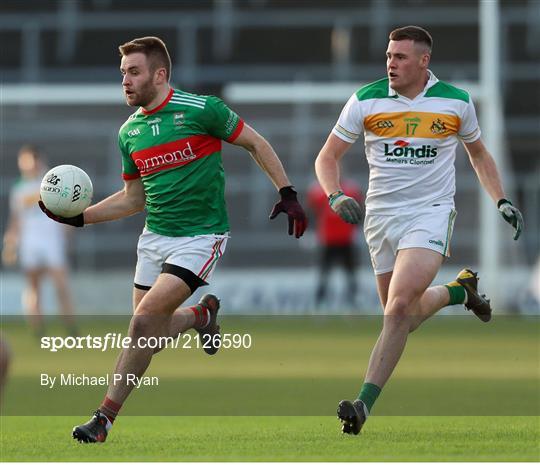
415, 33
155, 50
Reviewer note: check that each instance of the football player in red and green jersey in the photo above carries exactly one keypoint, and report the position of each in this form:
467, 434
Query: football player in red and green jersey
172, 167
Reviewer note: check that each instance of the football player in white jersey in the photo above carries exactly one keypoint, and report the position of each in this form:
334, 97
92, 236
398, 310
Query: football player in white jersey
37, 243
412, 123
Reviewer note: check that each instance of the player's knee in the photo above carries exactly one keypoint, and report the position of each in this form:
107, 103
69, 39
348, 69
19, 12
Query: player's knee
397, 306
142, 325
397, 313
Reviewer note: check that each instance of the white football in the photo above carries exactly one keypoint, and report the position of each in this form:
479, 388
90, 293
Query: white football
66, 190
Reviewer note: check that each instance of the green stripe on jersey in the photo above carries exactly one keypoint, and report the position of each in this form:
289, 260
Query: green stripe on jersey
377, 89
445, 90
176, 151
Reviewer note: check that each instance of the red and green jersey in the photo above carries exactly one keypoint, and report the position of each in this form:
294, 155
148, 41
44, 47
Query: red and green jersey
176, 150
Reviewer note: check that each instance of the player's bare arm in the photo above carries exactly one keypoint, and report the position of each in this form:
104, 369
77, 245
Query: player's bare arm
267, 159
11, 240
13, 228
488, 175
13, 231
123, 203
264, 155
486, 169
327, 170
126, 202
327, 163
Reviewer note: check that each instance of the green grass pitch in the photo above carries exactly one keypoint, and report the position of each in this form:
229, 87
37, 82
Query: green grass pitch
463, 391
277, 438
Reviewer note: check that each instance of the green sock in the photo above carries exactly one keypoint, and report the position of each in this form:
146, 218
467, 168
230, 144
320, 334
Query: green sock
457, 293
368, 394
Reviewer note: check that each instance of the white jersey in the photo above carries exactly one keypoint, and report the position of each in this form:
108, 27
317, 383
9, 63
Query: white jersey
410, 145
35, 227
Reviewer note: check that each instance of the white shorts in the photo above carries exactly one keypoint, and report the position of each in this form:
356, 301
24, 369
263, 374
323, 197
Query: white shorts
198, 254
42, 253
428, 229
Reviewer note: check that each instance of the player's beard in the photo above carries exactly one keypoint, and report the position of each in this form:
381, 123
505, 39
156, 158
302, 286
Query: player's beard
145, 95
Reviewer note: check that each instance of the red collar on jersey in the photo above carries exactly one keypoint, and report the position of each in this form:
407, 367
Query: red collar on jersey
161, 105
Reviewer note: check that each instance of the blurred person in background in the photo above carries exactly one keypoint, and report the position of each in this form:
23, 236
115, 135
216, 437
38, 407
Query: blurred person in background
37, 243
172, 167
5, 358
336, 239
412, 123
533, 291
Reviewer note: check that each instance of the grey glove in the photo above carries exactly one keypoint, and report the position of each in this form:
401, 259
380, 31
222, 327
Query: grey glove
512, 216
346, 207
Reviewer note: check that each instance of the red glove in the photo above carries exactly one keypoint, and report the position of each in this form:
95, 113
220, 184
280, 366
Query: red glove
289, 204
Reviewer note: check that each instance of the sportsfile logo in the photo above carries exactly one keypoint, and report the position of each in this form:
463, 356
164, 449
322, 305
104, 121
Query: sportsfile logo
402, 152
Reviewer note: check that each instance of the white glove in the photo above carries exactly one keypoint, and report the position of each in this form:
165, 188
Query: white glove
346, 207
511, 215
